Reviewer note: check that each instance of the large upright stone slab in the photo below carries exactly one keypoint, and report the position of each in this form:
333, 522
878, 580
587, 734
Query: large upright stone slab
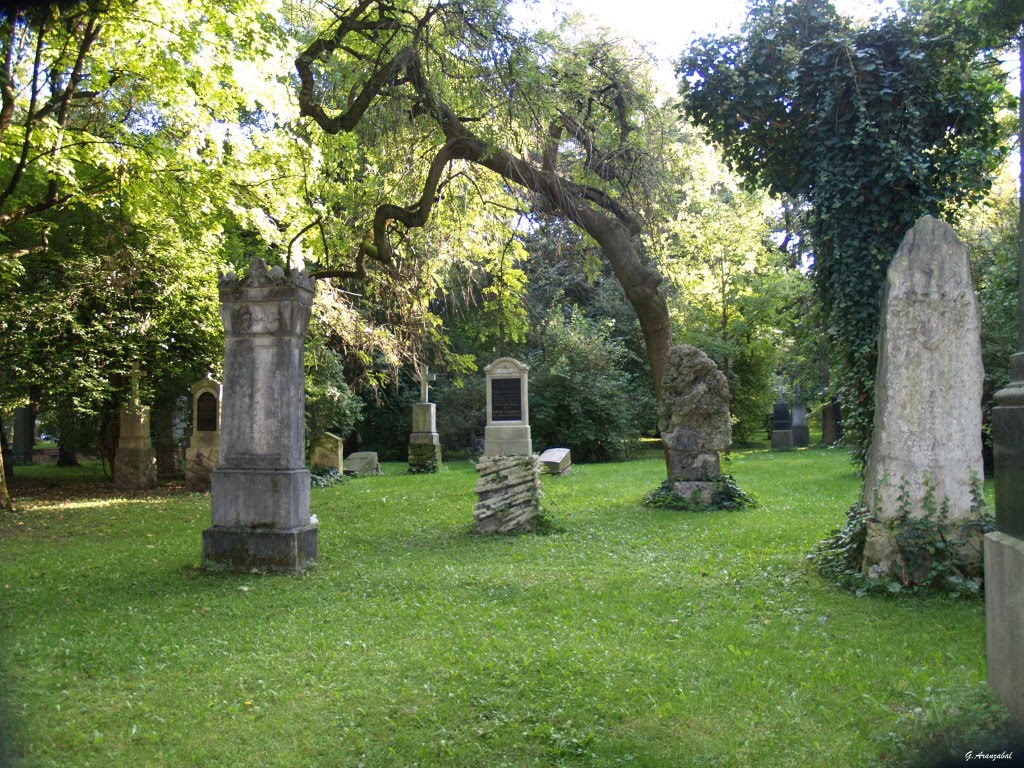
693, 415
203, 452
327, 452
261, 486
508, 409
134, 462
926, 446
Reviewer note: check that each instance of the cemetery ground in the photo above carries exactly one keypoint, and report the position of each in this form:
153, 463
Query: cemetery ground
629, 636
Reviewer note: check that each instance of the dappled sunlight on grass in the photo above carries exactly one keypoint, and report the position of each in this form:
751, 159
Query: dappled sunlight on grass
631, 637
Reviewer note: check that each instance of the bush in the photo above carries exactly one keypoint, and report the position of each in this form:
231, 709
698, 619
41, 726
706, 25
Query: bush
580, 394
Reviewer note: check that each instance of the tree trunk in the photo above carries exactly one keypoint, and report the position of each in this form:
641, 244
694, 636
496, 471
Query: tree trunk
5, 497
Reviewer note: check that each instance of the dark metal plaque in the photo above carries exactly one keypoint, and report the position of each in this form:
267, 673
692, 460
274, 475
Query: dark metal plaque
507, 399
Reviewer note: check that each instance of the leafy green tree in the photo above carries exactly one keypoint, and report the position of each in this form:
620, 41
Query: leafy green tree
448, 100
871, 127
577, 383
734, 290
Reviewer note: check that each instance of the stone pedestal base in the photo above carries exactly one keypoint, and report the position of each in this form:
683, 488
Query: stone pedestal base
697, 491
688, 457
134, 468
261, 498
513, 440
509, 493
265, 549
782, 440
1004, 616
801, 437
424, 451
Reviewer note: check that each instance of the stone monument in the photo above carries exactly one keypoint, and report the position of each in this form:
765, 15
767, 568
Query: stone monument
801, 430
260, 493
556, 461
363, 463
693, 417
782, 426
509, 490
424, 442
326, 452
831, 423
203, 452
508, 409
925, 453
134, 462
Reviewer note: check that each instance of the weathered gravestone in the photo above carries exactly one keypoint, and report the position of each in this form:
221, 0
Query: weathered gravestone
363, 463
134, 462
925, 455
801, 430
693, 417
782, 427
556, 461
424, 442
509, 490
203, 452
261, 486
326, 452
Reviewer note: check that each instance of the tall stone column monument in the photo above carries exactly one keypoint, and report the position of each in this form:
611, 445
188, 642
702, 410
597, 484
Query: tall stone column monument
260, 488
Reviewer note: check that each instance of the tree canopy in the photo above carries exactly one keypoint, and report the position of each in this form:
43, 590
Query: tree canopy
869, 126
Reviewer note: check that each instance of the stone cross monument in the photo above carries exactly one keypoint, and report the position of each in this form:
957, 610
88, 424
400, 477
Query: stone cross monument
261, 485
134, 462
424, 442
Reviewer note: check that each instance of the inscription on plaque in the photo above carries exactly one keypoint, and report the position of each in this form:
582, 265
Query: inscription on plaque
506, 399
206, 413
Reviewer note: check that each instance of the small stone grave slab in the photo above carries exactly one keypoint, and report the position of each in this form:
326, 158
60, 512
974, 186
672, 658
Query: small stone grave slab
508, 492
362, 463
327, 452
556, 461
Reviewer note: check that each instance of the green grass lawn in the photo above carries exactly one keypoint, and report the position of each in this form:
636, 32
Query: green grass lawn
634, 637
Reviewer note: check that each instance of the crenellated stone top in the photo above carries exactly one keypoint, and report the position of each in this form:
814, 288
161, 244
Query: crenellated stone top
260, 276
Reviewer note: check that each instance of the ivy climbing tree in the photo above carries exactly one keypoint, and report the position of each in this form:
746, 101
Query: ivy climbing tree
870, 127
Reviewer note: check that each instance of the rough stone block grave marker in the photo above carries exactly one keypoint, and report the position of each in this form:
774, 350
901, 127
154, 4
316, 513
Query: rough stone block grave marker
556, 461
508, 490
363, 463
327, 452
424, 442
801, 430
261, 486
693, 417
782, 427
134, 462
925, 453
203, 452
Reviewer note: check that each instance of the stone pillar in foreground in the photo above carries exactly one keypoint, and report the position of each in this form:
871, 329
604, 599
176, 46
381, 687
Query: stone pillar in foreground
925, 455
1004, 549
261, 486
